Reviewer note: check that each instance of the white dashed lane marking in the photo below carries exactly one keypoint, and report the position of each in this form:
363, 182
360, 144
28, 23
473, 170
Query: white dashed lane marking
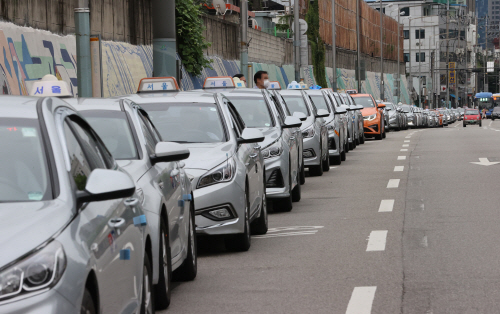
376, 241
393, 184
361, 300
401, 157
399, 168
407, 141
386, 206
406, 145
404, 149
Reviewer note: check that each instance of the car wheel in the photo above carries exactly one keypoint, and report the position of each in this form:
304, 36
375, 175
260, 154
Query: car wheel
88, 306
378, 136
362, 138
335, 160
260, 225
347, 148
302, 174
480, 124
464, 125
343, 156
296, 193
384, 135
241, 242
326, 163
147, 304
317, 171
189, 268
163, 288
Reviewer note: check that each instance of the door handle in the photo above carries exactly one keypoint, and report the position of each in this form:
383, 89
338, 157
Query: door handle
116, 222
253, 156
257, 147
161, 185
131, 202
174, 173
292, 138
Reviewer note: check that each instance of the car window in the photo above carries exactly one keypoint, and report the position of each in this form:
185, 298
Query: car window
319, 102
115, 131
340, 101
389, 106
254, 111
366, 101
472, 112
88, 142
24, 174
80, 167
296, 104
187, 122
406, 109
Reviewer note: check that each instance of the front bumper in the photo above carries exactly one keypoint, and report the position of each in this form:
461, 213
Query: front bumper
312, 147
372, 127
333, 144
278, 167
229, 196
44, 302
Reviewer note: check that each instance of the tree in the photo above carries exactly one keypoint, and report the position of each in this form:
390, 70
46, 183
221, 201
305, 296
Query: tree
317, 44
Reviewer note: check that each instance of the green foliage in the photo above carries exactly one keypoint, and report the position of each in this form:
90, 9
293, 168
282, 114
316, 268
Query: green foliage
190, 40
317, 44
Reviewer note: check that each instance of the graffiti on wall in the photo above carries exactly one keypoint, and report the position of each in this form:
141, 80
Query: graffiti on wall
28, 54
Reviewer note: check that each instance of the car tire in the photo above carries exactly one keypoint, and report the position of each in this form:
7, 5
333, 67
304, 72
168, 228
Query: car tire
296, 193
384, 135
464, 125
326, 163
317, 171
88, 306
302, 174
189, 268
147, 303
343, 156
480, 125
241, 242
378, 137
260, 225
335, 160
164, 286
362, 138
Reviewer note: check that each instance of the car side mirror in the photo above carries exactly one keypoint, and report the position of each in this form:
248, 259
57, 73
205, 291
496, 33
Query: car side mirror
381, 105
291, 122
322, 113
302, 116
169, 151
249, 136
104, 185
340, 110
388, 109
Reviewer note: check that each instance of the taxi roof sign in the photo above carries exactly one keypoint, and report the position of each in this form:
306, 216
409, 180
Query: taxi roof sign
157, 84
274, 85
219, 82
295, 85
49, 85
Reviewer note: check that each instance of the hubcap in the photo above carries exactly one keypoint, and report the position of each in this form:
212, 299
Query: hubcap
148, 305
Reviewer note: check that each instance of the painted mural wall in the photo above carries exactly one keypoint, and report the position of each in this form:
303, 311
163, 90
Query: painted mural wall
29, 54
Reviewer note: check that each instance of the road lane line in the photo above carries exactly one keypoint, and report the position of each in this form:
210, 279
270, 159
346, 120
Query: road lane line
399, 168
333, 167
401, 157
393, 184
361, 300
386, 206
404, 149
376, 241
287, 234
409, 136
406, 145
407, 141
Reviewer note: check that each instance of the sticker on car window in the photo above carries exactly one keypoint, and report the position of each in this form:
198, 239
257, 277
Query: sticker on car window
267, 124
213, 109
29, 132
35, 196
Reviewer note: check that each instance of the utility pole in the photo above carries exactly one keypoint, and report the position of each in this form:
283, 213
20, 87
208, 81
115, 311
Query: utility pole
381, 53
485, 79
409, 46
164, 38
398, 77
296, 41
82, 34
431, 102
447, 55
334, 48
244, 39
358, 46
419, 68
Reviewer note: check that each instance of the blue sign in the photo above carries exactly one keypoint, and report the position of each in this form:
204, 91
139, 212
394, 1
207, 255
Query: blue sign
39, 90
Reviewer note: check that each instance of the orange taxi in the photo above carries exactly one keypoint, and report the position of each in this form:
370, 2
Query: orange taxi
373, 115
440, 115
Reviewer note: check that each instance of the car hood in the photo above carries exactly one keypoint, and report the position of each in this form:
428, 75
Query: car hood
205, 156
368, 111
392, 113
26, 225
271, 135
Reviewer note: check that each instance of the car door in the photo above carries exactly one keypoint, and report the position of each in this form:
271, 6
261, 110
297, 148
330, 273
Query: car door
251, 156
118, 245
168, 179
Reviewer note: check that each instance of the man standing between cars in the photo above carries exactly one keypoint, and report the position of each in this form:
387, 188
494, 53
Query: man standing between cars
241, 77
261, 79
484, 113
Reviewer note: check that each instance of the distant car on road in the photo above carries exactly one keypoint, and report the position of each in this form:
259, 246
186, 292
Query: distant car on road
495, 114
373, 115
472, 116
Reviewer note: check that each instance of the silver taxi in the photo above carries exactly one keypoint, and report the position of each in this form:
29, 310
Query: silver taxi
162, 185
314, 131
225, 167
79, 240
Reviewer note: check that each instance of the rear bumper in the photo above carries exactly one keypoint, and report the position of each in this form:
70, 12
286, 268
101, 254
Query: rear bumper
472, 121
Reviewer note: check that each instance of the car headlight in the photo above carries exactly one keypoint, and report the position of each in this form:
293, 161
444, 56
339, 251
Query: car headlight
222, 173
273, 150
40, 270
309, 132
371, 117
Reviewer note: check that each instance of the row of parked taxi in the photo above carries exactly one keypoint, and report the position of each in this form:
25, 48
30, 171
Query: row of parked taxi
102, 200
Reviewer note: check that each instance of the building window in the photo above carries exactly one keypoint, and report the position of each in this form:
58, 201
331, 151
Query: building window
405, 11
420, 57
420, 33
378, 9
406, 34
406, 57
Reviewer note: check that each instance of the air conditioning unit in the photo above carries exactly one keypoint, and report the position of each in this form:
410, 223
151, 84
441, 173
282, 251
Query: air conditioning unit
253, 23
288, 10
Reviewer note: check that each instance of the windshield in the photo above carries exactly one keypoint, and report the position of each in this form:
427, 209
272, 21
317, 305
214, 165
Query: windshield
406, 109
319, 102
296, 104
24, 173
366, 102
389, 106
187, 123
471, 112
496, 109
340, 101
113, 128
253, 110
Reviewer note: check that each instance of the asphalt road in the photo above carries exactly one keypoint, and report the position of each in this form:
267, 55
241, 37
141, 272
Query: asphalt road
354, 244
